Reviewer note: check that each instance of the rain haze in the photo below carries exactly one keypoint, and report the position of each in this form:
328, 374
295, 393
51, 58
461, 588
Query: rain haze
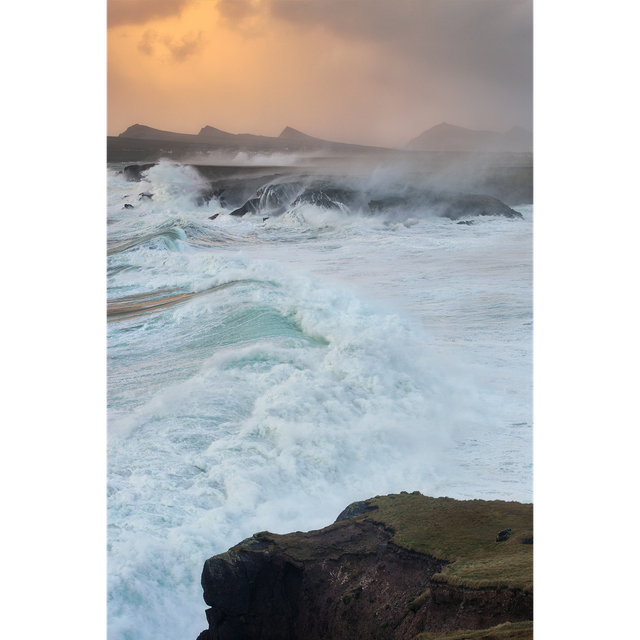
373, 72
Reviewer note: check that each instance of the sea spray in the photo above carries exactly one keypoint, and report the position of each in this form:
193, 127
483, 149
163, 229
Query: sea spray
289, 369
277, 435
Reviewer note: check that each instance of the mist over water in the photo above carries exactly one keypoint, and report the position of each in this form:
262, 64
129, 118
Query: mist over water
264, 373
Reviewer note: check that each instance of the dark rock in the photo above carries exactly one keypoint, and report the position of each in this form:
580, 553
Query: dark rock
233, 185
462, 205
214, 216
250, 595
133, 173
272, 195
383, 204
250, 206
503, 535
327, 585
355, 509
327, 197
475, 608
226, 585
469, 222
350, 579
275, 198
232, 197
145, 195
128, 206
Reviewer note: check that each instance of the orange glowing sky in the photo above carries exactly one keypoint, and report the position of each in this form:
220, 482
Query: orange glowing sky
363, 71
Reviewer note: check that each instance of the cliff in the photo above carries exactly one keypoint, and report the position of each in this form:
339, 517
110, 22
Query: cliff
395, 566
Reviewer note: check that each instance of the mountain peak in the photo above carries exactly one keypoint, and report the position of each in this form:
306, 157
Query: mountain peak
136, 130
450, 137
142, 131
212, 131
293, 134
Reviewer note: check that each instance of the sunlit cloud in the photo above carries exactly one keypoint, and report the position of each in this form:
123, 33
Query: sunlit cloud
368, 72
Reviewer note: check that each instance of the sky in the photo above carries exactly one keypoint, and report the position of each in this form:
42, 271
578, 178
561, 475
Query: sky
376, 72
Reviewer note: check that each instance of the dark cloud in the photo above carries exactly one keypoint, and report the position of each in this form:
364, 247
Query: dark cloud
236, 11
149, 38
363, 71
181, 49
121, 12
481, 47
479, 35
187, 46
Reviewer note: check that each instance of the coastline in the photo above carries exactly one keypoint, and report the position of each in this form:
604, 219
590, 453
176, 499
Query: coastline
396, 566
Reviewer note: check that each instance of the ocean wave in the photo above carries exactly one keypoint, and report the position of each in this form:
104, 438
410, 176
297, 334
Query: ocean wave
265, 196
265, 373
143, 303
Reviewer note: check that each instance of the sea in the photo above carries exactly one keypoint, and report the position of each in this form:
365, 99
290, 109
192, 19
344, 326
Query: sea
266, 371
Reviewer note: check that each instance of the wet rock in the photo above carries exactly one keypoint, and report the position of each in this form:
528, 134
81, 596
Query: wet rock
276, 198
133, 173
250, 206
327, 197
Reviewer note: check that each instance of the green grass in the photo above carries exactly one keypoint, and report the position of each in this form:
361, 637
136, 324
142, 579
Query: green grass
463, 533
460, 532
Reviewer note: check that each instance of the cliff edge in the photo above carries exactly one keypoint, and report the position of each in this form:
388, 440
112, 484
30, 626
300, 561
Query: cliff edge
399, 567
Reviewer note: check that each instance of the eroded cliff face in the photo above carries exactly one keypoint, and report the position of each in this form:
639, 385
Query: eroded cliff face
348, 580
451, 607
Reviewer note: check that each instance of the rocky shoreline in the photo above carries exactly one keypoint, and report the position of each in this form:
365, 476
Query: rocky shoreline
393, 566
271, 191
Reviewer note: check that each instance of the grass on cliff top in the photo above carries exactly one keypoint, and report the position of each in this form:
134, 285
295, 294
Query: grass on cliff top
463, 532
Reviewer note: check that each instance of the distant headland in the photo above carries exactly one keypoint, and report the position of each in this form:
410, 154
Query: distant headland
442, 137
211, 135
480, 162
449, 137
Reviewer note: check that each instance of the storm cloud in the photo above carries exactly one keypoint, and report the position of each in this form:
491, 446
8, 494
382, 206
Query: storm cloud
480, 42
121, 12
180, 49
364, 71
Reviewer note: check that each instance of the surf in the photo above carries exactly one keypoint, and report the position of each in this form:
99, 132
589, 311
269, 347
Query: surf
265, 373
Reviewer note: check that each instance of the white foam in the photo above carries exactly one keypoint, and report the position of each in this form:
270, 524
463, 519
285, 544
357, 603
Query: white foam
352, 362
